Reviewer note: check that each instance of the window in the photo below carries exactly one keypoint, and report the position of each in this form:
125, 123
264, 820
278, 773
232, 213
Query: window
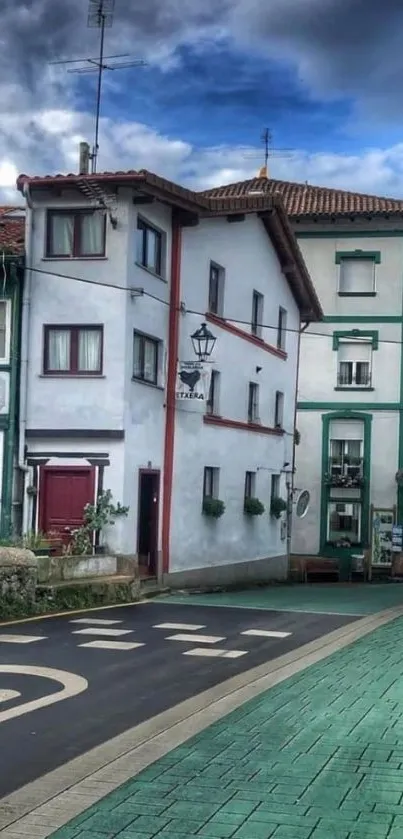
210, 482
73, 350
279, 410
275, 487
253, 402
4, 326
216, 290
257, 314
149, 247
250, 484
75, 233
281, 328
214, 394
346, 461
344, 523
357, 276
354, 364
146, 352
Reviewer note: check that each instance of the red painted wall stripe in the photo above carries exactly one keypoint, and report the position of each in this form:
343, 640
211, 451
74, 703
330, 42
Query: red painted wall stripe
173, 342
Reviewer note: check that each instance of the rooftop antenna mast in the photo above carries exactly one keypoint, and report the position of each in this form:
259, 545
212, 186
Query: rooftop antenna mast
266, 138
100, 16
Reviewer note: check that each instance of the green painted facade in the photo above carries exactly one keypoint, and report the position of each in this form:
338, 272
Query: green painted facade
11, 291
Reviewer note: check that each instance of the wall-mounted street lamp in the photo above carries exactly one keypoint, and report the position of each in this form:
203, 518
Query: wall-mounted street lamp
203, 342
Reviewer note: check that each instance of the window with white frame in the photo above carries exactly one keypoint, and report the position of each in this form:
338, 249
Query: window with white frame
216, 290
345, 476
253, 402
344, 522
356, 276
257, 314
346, 459
354, 364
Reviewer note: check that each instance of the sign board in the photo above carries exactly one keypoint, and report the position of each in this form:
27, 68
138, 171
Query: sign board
397, 538
381, 542
193, 381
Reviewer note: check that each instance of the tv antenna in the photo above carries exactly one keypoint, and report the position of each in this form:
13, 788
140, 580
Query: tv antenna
266, 138
100, 16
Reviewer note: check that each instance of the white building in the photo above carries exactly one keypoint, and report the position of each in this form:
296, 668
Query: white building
350, 404
124, 269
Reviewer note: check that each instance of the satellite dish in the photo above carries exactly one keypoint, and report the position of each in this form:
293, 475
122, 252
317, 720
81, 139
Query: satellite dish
302, 503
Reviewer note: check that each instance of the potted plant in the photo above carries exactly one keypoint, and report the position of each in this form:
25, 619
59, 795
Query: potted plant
213, 507
277, 506
37, 542
97, 517
253, 507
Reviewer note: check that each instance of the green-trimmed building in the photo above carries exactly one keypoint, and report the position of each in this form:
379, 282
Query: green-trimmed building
12, 223
350, 394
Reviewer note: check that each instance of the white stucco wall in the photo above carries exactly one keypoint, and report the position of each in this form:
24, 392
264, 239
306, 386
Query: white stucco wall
246, 253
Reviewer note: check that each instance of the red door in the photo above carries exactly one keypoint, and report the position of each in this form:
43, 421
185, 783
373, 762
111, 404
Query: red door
64, 492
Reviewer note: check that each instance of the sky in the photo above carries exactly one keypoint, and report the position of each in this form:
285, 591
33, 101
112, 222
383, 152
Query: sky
325, 76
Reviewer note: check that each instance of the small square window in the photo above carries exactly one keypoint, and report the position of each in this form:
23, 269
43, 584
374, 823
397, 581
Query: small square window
279, 410
250, 485
146, 358
216, 290
213, 402
211, 482
75, 233
354, 364
253, 402
149, 247
281, 328
73, 350
257, 314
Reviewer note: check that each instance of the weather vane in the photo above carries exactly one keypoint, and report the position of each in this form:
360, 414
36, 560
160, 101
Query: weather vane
100, 16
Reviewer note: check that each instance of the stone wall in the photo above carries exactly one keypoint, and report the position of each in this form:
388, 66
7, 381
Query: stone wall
18, 578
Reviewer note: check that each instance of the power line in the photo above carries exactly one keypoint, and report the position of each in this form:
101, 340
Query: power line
143, 293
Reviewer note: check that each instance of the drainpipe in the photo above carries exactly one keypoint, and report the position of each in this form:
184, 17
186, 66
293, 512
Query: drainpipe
25, 328
291, 479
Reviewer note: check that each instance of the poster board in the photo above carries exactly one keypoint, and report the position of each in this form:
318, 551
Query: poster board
382, 522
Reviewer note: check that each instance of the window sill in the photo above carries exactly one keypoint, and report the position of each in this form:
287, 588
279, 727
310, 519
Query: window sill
356, 293
361, 389
150, 271
154, 385
74, 258
71, 376
208, 419
240, 333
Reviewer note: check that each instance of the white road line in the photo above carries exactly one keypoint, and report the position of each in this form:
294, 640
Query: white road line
21, 639
112, 645
201, 639
101, 630
189, 627
95, 621
5, 695
208, 652
71, 685
266, 633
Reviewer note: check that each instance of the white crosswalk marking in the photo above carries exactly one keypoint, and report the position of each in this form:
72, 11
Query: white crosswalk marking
95, 621
266, 633
21, 639
209, 652
112, 645
188, 627
201, 639
102, 630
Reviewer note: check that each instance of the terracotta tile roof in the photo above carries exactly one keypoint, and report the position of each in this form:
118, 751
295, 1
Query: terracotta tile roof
305, 200
12, 230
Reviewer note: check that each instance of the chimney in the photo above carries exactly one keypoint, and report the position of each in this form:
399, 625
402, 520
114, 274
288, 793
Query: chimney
84, 159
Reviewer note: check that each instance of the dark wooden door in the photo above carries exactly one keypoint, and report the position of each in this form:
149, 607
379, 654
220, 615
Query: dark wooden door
64, 492
148, 520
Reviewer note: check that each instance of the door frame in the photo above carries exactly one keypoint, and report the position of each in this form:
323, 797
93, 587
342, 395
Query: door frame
46, 470
157, 473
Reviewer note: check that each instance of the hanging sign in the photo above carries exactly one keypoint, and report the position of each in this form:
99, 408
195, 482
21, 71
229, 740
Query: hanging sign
193, 380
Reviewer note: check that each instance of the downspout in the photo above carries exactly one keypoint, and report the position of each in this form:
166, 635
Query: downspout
25, 329
173, 344
290, 484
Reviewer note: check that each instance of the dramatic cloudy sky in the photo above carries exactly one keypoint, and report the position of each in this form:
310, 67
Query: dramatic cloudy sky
324, 75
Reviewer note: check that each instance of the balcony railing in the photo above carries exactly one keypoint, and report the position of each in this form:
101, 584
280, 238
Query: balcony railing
346, 473
347, 380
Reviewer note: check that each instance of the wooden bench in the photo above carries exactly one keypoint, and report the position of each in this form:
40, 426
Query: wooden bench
321, 566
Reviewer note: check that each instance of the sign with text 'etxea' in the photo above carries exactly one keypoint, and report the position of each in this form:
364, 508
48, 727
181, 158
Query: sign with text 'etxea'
193, 380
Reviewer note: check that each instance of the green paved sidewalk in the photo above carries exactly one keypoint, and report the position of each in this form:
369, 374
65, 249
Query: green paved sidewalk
320, 756
346, 599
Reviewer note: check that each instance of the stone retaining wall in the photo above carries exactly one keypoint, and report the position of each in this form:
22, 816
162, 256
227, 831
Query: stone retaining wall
18, 577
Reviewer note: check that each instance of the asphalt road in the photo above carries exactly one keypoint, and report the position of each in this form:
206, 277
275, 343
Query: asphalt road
125, 685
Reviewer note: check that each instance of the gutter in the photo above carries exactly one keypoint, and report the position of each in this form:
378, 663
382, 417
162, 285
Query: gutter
25, 330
